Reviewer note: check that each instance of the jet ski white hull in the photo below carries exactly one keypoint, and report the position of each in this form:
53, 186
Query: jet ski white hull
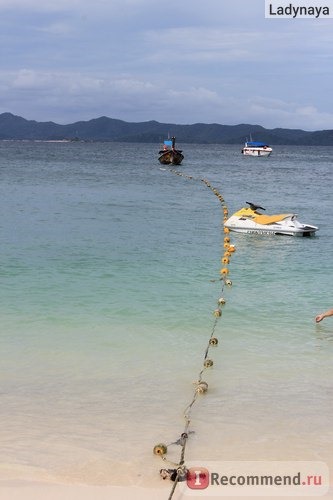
241, 222
304, 231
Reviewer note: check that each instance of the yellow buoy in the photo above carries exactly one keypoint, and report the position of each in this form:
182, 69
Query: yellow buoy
226, 239
221, 301
213, 341
228, 282
232, 248
226, 245
160, 449
202, 387
208, 363
226, 230
217, 313
225, 260
224, 270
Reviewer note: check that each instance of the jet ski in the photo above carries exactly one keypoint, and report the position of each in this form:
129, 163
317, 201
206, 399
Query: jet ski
250, 220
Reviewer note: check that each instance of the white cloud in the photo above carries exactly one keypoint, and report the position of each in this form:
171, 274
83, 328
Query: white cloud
287, 114
77, 6
54, 82
197, 45
68, 96
59, 28
45, 5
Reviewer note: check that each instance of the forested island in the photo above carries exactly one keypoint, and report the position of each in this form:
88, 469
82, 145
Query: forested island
14, 127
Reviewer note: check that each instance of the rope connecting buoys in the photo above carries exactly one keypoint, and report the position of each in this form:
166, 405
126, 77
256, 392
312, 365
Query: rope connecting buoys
208, 363
179, 473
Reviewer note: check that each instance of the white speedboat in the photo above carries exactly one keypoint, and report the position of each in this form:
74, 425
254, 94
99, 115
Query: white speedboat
254, 148
250, 220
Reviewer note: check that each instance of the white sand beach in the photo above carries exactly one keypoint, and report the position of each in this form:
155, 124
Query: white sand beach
45, 491
48, 491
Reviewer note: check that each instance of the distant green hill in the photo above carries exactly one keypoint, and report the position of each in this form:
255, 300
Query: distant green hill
109, 129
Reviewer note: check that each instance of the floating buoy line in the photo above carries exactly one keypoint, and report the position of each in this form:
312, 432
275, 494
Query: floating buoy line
177, 471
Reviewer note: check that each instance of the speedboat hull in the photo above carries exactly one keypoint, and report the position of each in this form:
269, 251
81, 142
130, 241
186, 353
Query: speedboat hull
256, 148
256, 151
250, 221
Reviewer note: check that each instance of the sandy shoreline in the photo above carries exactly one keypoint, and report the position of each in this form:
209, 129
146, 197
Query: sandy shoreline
120, 481
39, 491
137, 484
26, 490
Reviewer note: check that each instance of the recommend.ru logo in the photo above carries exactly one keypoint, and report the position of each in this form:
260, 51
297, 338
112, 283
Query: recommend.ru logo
271, 478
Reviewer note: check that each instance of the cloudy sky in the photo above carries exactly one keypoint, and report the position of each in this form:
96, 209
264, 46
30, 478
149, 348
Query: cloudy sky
180, 61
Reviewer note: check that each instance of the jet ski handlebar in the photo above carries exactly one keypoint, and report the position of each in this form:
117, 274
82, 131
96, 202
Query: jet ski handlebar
255, 207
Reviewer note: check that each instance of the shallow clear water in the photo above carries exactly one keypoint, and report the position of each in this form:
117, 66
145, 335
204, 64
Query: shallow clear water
109, 272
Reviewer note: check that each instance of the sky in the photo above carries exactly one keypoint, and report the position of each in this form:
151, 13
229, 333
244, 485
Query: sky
180, 61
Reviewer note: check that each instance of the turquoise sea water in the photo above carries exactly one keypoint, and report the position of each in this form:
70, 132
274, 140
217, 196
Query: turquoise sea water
109, 271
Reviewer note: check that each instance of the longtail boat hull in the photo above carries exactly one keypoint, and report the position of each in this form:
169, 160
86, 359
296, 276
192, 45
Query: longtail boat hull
171, 158
169, 155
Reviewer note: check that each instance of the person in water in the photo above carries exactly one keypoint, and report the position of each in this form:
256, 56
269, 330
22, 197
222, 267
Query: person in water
321, 316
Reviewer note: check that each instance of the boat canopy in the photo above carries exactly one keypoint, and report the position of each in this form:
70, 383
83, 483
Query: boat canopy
256, 144
168, 143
